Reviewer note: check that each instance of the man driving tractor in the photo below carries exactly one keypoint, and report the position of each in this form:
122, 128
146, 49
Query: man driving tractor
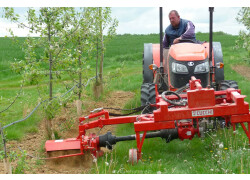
177, 30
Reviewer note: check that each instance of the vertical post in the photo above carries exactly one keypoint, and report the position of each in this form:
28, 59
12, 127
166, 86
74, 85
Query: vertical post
161, 37
211, 10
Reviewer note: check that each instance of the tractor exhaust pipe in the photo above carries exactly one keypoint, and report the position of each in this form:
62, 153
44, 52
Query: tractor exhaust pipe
161, 47
211, 10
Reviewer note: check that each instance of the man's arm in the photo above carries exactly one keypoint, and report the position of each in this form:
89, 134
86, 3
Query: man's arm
188, 34
190, 30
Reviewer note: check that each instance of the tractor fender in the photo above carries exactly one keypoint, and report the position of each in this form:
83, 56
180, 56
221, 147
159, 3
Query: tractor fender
218, 58
148, 76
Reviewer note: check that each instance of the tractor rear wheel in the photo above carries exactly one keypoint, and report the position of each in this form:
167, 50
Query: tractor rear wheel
148, 97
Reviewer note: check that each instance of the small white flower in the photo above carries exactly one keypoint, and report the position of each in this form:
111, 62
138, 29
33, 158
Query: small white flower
106, 163
158, 172
113, 171
221, 145
211, 169
94, 160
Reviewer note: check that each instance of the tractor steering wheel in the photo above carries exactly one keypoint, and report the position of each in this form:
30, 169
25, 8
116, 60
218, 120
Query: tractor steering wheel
186, 40
180, 103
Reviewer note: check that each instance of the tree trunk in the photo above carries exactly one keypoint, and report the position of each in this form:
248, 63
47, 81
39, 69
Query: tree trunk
80, 76
50, 65
102, 49
48, 123
97, 60
6, 162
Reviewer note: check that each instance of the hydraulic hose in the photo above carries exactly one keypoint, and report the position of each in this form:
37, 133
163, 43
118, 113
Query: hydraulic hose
180, 103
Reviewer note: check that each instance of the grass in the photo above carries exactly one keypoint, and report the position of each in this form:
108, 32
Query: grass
123, 71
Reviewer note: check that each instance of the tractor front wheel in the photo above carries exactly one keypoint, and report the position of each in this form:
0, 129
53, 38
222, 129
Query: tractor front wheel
224, 85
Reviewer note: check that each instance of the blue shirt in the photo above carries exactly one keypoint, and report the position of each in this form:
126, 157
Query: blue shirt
185, 30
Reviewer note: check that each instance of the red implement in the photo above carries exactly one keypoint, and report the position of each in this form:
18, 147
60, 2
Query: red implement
167, 121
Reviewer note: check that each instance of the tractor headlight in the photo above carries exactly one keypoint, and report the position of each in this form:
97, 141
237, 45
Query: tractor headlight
179, 68
202, 68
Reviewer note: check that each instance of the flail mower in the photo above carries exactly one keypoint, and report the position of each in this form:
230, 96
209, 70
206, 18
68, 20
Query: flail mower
182, 96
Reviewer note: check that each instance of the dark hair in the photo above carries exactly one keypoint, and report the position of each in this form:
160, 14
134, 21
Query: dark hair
174, 11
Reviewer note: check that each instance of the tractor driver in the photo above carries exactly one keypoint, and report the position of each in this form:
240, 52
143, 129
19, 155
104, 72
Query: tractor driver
177, 30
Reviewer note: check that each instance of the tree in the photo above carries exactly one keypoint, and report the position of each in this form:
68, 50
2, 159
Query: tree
55, 32
66, 40
103, 23
244, 36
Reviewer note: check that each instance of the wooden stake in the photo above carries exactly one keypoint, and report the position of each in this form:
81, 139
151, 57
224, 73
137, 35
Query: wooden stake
79, 107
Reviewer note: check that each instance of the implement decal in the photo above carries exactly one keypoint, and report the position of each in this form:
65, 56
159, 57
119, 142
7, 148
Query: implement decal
203, 112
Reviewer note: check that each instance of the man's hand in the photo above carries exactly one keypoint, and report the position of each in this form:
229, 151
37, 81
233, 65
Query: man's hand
177, 40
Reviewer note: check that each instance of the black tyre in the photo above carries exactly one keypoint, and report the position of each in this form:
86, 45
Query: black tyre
148, 75
147, 97
224, 85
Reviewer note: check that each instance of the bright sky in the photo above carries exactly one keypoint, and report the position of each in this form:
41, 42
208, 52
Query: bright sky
143, 18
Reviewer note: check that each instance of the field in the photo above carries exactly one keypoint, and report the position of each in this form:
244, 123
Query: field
123, 78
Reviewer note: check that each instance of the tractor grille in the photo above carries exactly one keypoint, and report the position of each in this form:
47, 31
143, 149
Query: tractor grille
179, 80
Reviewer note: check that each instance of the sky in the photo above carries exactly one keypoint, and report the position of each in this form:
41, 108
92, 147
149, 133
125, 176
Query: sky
144, 18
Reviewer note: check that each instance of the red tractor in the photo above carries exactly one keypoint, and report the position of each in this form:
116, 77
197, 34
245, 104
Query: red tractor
181, 96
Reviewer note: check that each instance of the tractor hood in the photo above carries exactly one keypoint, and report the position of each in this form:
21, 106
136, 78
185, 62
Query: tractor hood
188, 52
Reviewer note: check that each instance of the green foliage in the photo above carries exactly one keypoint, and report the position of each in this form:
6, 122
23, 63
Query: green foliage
21, 163
244, 36
19, 159
103, 21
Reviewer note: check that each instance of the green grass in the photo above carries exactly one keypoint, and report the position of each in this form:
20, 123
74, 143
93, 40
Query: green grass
179, 157
123, 71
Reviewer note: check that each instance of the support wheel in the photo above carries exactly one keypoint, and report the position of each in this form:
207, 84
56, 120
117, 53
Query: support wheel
133, 156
